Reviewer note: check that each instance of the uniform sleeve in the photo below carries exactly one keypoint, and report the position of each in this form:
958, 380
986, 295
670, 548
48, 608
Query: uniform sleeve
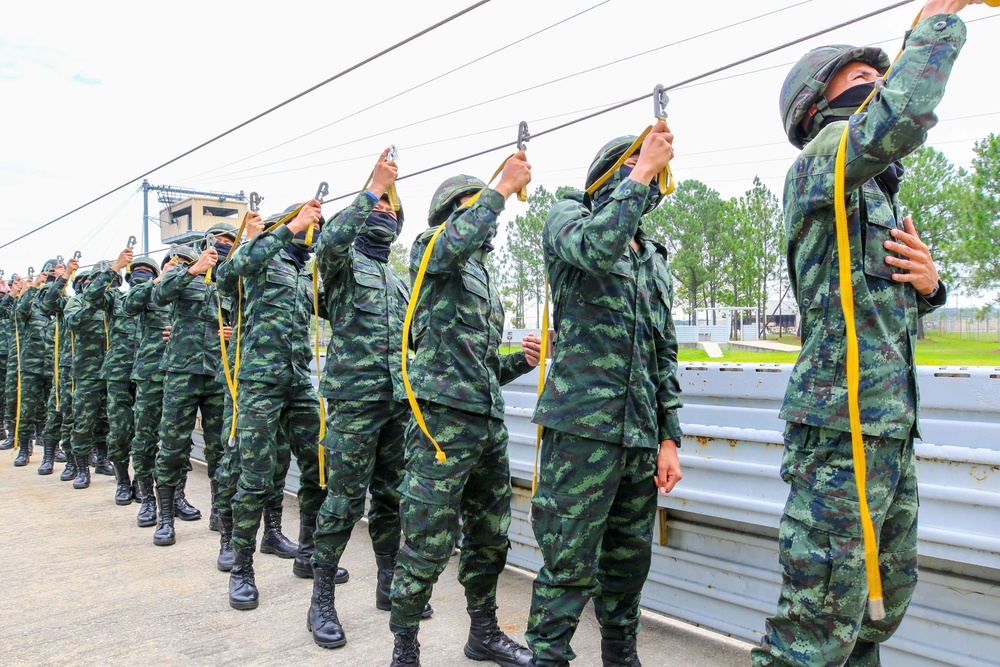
96, 292
24, 302
898, 119
52, 301
252, 257
137, 298
513, 366
337, 237
594, 241
668, 388
75, 312
464, 234
172, 285
930, 304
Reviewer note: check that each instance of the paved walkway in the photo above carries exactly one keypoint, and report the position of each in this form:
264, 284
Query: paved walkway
80, 584
763, 345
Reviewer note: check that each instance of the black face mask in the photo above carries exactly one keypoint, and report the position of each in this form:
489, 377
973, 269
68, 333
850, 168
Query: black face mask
298, 254
840, 107
890, 178
222, 249
140, 276
381, 227
50, 279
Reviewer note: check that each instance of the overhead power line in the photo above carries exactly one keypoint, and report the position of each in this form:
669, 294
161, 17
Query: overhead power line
257, 117
615, 107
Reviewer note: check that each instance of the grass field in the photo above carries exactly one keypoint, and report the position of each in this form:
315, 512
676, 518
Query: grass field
939, 350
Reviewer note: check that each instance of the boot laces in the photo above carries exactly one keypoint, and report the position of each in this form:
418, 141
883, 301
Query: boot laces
406, 649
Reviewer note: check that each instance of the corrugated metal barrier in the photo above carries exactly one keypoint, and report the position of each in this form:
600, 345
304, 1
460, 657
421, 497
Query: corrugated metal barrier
715, 561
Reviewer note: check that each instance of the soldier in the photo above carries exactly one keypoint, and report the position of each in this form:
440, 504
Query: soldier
103, 293
35, 330
193, 382
60, 405
277, 409
362, 381
90, 402
7, 359
821, 617
456, 375
153, 319
608, 408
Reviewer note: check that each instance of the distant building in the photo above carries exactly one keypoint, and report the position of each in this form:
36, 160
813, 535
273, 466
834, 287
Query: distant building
189, 219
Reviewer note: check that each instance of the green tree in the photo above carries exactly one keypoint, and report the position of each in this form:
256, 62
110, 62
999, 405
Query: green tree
688, 223
933, 193
521, 264
399, 259
982, 217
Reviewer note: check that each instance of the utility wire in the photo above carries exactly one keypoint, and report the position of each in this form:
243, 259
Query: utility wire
615, 107
524, 90
257, 117
393, 97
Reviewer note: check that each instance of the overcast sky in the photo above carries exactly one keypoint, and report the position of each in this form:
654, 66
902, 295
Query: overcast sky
95, 94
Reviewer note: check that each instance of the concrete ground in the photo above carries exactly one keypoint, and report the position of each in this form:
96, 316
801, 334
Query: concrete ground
80, 584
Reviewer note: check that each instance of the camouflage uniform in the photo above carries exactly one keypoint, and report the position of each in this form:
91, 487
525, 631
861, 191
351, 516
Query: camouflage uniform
152, 320
9, 386
6, 332
35, 329
118, 362
60, 405
193, 377
366, 301
276, 406
456, 375
88, 327
821, 617
610, 399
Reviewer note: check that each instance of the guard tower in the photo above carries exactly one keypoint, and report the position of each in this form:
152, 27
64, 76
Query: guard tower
187, 214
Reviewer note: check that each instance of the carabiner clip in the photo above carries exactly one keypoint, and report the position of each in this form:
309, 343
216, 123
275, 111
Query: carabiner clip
523, 136
77, 255
132, 241
254, 202
322, 191
31, 273
393, 154
660, 102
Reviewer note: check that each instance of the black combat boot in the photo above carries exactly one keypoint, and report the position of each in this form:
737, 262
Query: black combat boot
213, 517
273, 541
226, 555
69, 472
102, 466
184, 510
8, 441
147, 511
48, 458
23, 453
136, 493
164, 535
61, 455
302, 565
619, 653
123, 493
386, 563
406, 649
322, 619
488, 642
82, 480
242, 587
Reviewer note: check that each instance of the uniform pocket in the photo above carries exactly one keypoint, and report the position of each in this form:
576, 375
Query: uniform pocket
877, 231
566, 533
368, 292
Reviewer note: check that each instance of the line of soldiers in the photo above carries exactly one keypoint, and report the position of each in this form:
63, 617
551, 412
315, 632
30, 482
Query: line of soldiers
224, 332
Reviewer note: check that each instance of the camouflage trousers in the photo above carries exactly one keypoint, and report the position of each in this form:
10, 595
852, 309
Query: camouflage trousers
593, 516
184, 396
35, 391
121, 419
90, 415
474, 483
3, 383
228, 474
364, 450
271, 418
148, 412
10, 389
822, 617
59, 419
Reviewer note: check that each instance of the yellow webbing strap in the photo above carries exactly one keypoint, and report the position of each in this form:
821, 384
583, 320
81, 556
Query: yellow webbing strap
319, 374
231, 373
56, 365
72, 349
17, 349
410, 308
541, 383
522, 194
666, 177
876, 606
